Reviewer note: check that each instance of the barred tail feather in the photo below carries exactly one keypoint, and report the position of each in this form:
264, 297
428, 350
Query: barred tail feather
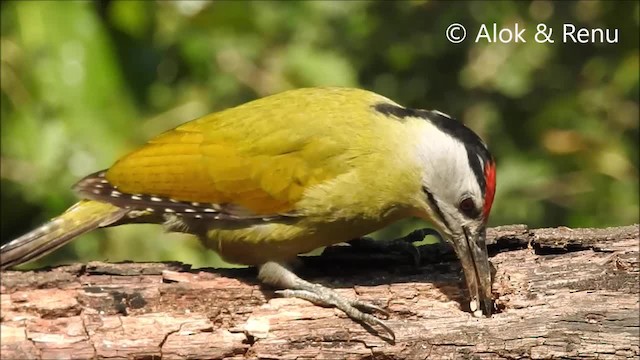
82, 217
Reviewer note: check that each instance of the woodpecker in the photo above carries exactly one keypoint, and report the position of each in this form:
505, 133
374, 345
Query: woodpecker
283, 175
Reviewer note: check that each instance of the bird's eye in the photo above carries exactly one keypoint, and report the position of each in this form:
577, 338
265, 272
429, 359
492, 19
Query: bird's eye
468, 208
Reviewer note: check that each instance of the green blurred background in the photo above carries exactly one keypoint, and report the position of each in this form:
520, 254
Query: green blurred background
85, 82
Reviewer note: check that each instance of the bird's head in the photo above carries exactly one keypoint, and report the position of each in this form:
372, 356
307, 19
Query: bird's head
458, 182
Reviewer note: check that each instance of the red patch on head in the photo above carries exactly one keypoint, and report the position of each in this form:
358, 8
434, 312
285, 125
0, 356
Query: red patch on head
490, 190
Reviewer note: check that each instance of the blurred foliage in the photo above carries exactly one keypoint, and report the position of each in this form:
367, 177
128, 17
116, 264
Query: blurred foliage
85, 82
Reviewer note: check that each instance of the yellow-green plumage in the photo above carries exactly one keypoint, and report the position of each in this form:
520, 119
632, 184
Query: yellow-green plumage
323, 154
83, 216
283, 175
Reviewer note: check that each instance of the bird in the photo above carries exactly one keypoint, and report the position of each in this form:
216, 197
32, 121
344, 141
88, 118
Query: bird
265, 181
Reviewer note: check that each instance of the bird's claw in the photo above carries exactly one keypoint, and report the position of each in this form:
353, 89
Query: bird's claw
403, 245
420, 234
369, 308
355, 309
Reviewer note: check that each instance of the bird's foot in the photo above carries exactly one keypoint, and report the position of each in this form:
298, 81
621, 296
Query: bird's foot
355, 309
403, 245
295, 287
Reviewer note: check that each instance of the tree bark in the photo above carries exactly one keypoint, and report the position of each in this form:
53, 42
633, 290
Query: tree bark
561, 293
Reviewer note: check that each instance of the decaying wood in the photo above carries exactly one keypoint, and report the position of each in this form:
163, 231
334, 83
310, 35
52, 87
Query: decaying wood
562, 293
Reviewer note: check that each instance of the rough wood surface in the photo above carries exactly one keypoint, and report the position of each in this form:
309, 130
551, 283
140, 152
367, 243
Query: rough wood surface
562, 293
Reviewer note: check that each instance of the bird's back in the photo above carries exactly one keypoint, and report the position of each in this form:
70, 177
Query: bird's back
259, 156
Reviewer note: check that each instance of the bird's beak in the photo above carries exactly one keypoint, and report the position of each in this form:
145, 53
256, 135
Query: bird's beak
471, 248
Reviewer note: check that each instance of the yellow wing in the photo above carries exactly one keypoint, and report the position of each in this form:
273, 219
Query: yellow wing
258, 157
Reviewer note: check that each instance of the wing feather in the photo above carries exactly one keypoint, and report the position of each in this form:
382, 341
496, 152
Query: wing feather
259, 157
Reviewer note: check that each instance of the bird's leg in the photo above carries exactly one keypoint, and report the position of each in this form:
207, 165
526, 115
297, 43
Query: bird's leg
276, 274
402, 245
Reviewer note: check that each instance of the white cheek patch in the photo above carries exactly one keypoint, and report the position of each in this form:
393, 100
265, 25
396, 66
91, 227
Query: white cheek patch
447, 173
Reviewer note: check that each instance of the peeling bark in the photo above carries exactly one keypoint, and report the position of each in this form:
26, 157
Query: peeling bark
562, 293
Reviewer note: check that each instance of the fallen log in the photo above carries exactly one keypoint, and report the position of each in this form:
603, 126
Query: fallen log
560, 293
